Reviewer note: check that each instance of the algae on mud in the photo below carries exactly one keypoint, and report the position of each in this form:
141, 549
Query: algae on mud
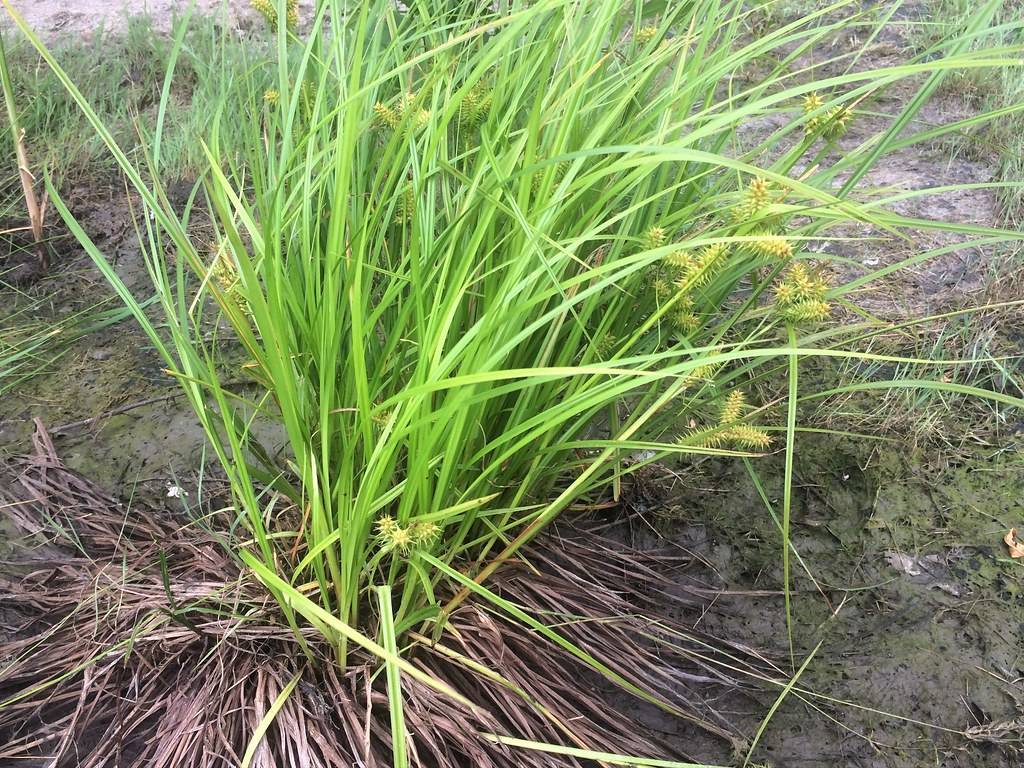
920, 609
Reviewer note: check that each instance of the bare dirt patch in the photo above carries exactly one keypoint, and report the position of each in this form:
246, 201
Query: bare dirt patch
51, 18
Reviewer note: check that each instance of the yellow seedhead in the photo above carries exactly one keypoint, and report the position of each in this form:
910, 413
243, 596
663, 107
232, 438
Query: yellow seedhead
733, 407
837, 121
386, 526
662, 288
729, 432
748, 438
758, 195
223, 271
800, 296
268, 10
406, 205
696, 269
772, 245
686, 320
475, 106
812, 101
424, 534
392, 117
385, 116
655, 237
832, 125
644, 35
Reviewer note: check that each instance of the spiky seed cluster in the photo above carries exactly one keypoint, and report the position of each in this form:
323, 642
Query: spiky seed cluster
644, 35
394, 537
386, 526
655, 237
538, 176
696, 269
308, 93
405, 207
837, 121
268, 10
385, 116
691, 271
756, 197
729, 431
701, 373
663, 289
475, 106
732, 408
424, 534
223, 272
758, 194
605, 345
800, 296
686, 320
683, 315
391, 117
271, 97
748, 438
812, 102
832, 124
420, 117
771, 245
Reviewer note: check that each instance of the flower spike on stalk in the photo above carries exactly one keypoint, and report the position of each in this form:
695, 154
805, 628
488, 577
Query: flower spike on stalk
832, 125
385, 116
475, 106
268, 10
756, 197
730, 431
800, 296
771, 245
812, 101
655, 237
732, 408
697, 269
644, 35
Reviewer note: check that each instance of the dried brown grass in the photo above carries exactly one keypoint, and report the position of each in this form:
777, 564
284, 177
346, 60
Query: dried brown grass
133, 638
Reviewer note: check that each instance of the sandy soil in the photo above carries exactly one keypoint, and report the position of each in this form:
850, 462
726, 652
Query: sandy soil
53, 17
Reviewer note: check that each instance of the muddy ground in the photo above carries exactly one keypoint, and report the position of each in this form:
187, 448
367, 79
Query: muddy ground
904, 579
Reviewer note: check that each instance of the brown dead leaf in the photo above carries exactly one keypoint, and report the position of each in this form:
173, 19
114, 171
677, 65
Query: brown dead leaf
1016, 547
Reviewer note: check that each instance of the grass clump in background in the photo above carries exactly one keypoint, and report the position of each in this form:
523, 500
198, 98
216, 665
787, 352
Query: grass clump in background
998, 92
483, 265
121, 74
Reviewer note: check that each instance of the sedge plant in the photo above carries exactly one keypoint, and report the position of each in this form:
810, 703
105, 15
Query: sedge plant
479, 266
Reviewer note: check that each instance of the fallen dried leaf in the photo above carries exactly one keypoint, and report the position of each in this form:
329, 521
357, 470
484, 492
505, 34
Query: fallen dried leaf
1016, 547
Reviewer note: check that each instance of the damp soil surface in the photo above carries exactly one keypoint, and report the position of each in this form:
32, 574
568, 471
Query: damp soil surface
907, 612
906, 608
